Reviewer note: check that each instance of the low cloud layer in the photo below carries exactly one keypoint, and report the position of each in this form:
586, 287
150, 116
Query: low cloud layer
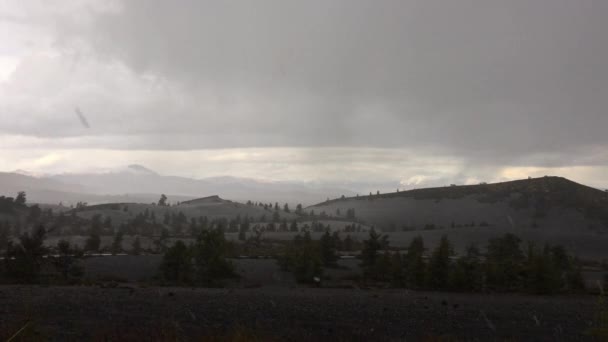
482, 86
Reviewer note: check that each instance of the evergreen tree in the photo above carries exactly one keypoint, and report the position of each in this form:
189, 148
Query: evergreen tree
194, 228
117, 243
293, 227
34, 213
350, 214
276, 217
328, 250
348, 243
337, 241
369, 256
67, 261
398, 278
283, 226
303, 259
20, 199
163, 200
93, 242
504, 263
439, 265
210, 251
414, 263
242, 235
4, 230
467, 273
24, 260
161, 243
136, 246
542, 273
176, 266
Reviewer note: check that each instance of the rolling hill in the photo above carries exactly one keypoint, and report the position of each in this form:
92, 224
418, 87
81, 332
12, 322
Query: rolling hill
547, 209
212, 207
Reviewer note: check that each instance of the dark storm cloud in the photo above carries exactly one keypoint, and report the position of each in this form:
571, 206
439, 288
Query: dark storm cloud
496, 82
505, 76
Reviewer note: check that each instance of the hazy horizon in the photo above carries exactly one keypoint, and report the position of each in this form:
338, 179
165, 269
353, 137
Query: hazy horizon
421, 93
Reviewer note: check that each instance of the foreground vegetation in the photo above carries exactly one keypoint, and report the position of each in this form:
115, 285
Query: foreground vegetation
505, 266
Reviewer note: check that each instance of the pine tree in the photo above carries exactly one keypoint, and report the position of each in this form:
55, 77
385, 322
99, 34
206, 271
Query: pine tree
24, 260
136, 246
504, 263
467, 273
397, 273
210, 252
414, 263
294, 226
328, 250
542, 273
163, 200
93, 242
176, 266
439, 265
275, 216
117, 243
20, 199
370, 254
348, 244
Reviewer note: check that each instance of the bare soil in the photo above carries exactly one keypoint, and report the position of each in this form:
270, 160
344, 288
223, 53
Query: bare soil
129, 313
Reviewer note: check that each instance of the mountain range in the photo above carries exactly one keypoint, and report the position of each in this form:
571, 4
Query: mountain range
137, 183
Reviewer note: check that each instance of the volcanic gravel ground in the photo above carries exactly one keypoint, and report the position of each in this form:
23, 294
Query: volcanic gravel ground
141, 314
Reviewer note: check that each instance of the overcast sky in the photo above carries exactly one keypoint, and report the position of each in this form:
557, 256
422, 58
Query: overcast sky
423, 92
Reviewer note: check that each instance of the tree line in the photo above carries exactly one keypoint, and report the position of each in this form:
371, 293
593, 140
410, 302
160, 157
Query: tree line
506, 265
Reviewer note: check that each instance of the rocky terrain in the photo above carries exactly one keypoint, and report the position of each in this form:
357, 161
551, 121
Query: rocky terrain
300, 314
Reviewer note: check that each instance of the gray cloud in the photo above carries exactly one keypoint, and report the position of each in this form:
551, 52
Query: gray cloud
510, 77
490, 82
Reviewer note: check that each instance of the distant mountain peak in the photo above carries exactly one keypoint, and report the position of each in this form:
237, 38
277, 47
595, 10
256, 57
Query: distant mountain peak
139, 169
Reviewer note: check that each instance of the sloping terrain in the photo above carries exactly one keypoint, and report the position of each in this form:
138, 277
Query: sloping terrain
549, 202
211, 207
547, 209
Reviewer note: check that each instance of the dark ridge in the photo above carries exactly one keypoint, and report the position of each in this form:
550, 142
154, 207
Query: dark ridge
556, 186
208, 199
106, 206
537, 193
